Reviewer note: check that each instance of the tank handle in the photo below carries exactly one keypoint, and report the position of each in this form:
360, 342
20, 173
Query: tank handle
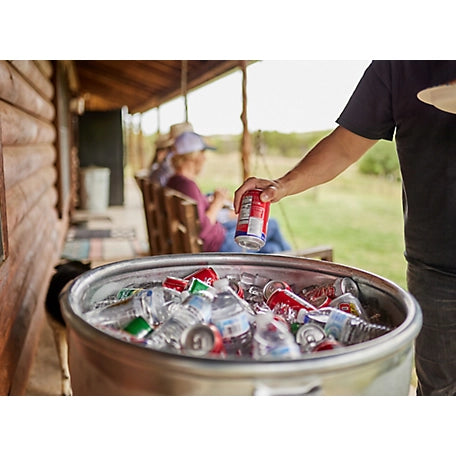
312, 388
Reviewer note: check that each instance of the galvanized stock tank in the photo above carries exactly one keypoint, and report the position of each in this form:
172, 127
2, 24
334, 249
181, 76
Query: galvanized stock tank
103, 365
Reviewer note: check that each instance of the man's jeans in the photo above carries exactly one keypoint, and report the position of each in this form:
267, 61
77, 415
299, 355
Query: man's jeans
435, 348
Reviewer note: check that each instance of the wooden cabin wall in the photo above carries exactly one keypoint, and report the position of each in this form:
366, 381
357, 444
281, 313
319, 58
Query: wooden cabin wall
34, 228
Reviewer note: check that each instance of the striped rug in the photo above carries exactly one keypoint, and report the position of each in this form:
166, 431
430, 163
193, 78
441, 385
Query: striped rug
102, 245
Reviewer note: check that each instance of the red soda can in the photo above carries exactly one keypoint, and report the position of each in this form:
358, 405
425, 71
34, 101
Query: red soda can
332, 289
322, 302
175, 283
202, 339
252, 224
282, 319
290, 299
207, 275
236, 288
272, 286
327, 344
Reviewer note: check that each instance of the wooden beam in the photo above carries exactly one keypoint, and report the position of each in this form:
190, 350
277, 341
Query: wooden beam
208, 73
246, 142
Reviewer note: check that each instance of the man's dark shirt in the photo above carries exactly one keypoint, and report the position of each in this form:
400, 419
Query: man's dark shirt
385, 105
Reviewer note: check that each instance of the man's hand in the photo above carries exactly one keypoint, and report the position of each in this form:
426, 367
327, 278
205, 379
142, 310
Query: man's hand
273, 191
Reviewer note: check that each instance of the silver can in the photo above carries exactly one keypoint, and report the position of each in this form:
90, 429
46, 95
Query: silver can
309, 336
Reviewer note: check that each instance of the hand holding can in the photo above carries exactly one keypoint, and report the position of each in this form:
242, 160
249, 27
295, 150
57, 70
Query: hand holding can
252, 224
270, 191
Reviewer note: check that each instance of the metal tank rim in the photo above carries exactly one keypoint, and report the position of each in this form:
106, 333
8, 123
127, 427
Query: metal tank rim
367, 352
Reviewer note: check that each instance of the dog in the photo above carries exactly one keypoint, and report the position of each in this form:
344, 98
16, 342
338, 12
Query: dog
65, 272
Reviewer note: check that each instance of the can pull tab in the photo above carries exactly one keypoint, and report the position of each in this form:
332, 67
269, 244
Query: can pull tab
312, 388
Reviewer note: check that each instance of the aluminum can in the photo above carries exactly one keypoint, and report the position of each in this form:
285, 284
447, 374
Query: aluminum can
332, 290
197, 285
207, 275
350, 304
290, 299
309, 336
252, 224
138, 327
272, 286
202, 339
175, 283
236, 288
320, 317
125, 293
282, 319
327, 344
121, 334
322, 302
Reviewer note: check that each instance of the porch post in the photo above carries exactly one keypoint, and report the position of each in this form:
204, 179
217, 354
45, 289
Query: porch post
246, 142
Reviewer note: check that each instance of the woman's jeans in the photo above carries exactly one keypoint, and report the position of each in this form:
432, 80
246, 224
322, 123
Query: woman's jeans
275, 242
435, 347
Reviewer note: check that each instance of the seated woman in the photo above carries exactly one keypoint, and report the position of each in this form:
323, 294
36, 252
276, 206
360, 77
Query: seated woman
161, 168
188, 160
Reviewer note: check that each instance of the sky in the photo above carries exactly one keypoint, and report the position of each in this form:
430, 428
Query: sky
282, 95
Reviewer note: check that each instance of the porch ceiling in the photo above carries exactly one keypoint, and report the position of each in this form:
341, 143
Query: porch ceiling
142, 84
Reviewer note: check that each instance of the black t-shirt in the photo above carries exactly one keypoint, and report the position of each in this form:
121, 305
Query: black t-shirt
385, 105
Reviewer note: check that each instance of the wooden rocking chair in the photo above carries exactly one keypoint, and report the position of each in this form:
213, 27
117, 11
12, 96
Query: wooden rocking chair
173, 225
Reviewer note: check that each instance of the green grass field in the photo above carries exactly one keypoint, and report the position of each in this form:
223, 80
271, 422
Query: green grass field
360, 216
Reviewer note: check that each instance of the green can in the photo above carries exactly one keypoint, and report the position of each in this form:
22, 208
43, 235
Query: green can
198, 285
125, 293
138, 327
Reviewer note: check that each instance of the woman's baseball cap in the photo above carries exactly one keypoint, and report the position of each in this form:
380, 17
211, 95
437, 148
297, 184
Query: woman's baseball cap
190, 141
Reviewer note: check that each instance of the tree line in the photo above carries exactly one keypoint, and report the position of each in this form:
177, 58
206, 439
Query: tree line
381, 160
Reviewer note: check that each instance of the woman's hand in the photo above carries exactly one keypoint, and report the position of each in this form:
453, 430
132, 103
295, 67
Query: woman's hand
217, 201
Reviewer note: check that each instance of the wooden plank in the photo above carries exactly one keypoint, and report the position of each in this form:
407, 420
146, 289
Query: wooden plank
161, 219
17, 91
200, 72
143, 84
25, 258
33, 74
45, 66
4, 245
35, 233
144, 186
19, 127
174, 224
189, 217
150, 209
182, 220
22, 161
23, 196
15, 336
20, 379
155, 215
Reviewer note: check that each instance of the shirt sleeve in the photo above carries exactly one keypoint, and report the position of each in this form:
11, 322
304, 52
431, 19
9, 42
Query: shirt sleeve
369, 112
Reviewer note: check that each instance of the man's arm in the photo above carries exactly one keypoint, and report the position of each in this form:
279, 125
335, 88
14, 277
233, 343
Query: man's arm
329, 158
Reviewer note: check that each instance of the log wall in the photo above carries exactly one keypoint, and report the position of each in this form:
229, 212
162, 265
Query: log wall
34, 231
